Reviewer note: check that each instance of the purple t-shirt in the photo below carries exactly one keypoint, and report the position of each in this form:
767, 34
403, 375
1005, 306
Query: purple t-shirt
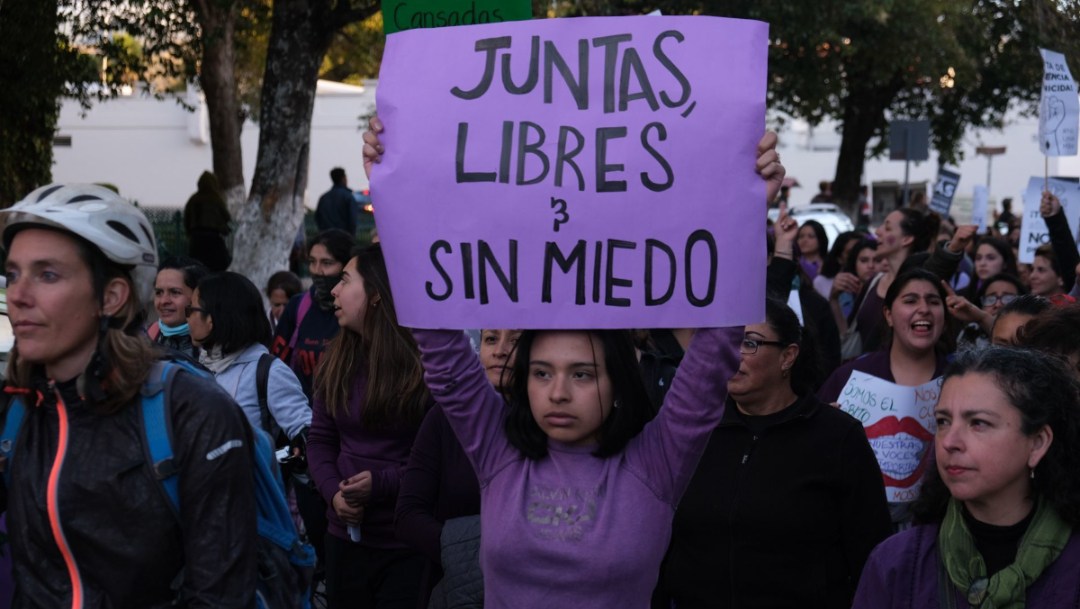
573, 530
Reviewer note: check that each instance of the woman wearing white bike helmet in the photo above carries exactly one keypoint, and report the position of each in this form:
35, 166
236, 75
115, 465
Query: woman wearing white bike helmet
89, 519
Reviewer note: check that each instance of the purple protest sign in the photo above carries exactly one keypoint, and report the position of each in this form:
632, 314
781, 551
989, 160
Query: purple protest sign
574, 173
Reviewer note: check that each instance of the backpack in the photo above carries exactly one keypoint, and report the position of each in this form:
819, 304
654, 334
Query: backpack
285, 564
262, 382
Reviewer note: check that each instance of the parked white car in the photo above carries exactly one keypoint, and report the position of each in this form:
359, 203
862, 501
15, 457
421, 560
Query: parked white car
829, 215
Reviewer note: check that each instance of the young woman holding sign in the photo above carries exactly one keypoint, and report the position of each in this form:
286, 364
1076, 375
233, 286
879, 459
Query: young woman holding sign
578, 486
1003, 503
916, 350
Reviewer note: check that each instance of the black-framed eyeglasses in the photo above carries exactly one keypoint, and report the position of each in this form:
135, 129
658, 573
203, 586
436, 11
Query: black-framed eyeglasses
990, 299
749, 346
188, 310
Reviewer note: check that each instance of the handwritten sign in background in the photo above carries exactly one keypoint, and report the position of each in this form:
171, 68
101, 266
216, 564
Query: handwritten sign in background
899, 423
1059, 110
1033, 231
491, 219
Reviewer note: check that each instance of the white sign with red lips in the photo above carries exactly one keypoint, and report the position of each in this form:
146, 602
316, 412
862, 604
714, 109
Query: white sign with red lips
899, 422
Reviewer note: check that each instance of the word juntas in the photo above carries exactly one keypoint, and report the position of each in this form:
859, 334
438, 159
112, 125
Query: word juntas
622, 67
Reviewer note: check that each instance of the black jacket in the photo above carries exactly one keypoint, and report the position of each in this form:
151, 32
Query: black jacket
784, 516
126, 547
1064, 243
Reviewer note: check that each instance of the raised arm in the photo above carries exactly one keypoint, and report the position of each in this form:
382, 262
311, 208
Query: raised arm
1061, 238
472, 406
667, 451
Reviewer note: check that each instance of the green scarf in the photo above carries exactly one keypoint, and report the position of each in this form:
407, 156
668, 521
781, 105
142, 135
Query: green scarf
1039, 547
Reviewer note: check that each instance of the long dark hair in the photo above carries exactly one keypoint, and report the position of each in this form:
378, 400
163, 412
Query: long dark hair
1045, 392
623, 422
1008, 264
947, 342
395, 394
831, 265
851, 265
819, 234
235, 305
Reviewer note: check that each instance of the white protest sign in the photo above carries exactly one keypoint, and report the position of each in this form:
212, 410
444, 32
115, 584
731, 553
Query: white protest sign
980, 206
1033, 232
899, 423
1059, 110
795, 304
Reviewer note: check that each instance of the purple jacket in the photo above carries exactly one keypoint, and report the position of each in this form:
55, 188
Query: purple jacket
340, 448
902, 573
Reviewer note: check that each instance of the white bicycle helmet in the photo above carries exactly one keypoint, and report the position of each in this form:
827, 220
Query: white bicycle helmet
100, 216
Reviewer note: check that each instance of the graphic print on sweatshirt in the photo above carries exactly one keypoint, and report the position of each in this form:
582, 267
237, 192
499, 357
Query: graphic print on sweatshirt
563, 513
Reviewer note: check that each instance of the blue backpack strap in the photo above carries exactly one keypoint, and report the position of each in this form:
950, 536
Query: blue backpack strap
12, 423
157, 427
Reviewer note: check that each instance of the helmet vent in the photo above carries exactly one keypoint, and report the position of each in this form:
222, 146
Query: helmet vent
123, 230
81, 198
47, 192
149, 237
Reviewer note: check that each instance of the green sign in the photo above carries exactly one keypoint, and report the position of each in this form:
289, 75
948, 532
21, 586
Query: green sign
401, 15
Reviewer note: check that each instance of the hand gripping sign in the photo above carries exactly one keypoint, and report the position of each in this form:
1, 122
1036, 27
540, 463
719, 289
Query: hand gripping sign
574, 173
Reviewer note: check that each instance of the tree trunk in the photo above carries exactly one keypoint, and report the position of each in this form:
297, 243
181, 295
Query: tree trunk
217, 77
864, 117
29, 101
267, 223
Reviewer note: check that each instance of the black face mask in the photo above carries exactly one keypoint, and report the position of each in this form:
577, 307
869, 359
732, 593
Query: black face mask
323, 285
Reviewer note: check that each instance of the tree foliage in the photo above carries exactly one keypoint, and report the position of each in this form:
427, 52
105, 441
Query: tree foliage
39, 66
959, 64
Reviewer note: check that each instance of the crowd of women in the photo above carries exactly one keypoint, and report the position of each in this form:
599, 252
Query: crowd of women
681, 468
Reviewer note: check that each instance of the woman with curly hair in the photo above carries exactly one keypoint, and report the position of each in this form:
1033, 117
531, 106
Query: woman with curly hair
1003, 507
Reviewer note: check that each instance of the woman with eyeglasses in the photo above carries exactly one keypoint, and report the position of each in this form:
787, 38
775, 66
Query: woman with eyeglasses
227, 323
1001, 508
915, 351
993, 294
787, 500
